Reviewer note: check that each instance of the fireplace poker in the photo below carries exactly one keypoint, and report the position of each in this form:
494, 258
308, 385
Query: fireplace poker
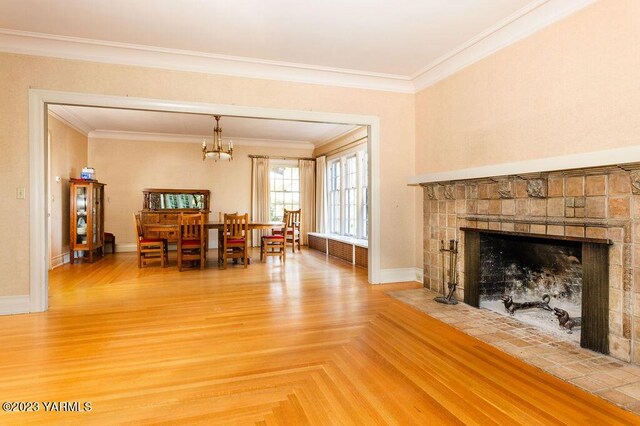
452, 251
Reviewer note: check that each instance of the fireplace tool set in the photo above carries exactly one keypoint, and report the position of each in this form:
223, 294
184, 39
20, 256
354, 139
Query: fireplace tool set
452, 252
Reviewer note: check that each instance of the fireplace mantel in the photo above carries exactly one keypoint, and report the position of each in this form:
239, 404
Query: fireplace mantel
619, 157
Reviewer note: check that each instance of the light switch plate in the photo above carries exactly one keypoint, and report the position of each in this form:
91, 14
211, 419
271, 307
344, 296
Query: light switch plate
21, 193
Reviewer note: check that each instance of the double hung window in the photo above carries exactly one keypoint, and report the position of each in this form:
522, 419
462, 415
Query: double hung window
347, 193
284, 189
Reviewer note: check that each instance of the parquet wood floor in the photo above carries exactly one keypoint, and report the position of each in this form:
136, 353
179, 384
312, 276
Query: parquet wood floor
306, 343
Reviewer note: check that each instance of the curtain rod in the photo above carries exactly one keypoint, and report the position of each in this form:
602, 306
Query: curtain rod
280, 158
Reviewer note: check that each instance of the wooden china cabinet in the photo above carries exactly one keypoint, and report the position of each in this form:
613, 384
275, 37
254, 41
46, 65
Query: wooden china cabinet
163, 206
86, 222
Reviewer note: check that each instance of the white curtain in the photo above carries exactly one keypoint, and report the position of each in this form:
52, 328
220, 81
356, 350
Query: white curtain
321, 198
307, 198
259, 196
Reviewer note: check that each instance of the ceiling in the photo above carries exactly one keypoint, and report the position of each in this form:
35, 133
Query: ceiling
380, 36
136, 124
397, 40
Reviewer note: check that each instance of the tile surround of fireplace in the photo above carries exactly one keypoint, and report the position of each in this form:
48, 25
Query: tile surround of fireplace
601, 204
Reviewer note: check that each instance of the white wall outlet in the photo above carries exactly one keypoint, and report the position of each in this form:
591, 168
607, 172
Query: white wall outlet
58, 179
21, 193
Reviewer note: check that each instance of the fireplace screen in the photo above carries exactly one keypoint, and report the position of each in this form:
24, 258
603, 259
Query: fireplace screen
537, 281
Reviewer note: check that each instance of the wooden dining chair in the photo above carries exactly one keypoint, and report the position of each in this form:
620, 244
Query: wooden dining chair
191, 239
221, 233
149, 249
235, 236
274, 245
292, 228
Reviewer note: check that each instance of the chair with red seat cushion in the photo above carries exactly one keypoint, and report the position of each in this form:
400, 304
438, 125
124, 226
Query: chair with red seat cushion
191, 239
274, 245
234, 238
149, 249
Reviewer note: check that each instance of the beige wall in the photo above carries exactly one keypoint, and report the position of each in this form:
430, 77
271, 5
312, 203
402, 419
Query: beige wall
68, 156
129, 166
396, 112
572, 87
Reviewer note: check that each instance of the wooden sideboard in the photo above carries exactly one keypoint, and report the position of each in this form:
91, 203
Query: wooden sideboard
163, 206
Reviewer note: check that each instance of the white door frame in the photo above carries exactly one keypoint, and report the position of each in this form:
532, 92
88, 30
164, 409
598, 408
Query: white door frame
38, 165
49, 201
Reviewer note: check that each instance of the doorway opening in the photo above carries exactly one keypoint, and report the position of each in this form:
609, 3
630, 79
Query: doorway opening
39, 158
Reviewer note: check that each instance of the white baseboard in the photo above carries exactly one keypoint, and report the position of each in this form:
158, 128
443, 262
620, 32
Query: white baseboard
126, 248
10, 305
419, 275
59, 260
399, 275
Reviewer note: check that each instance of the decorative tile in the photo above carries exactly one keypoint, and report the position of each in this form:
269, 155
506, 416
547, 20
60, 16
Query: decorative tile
574, 186
505, 189
555, 207
619, 183
449, 192
595, 207
537, 188
596, 185
430, 191
619, 207
555, 187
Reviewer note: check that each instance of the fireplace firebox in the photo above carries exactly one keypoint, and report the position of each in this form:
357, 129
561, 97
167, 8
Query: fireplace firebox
557, 284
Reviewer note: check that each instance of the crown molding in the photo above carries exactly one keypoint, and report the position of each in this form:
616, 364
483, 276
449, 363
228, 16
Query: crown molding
40, 44
525, 22
195, 139
535, 16
71, 119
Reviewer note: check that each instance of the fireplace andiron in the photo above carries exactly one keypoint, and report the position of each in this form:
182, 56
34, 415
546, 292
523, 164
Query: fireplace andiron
452, 251
512, 306
565, 321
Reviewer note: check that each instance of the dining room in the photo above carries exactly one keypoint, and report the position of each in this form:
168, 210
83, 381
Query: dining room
161, 167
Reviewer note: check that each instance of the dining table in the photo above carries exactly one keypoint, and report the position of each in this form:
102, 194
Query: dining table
172, 229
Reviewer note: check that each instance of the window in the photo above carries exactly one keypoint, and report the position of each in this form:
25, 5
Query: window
284, 190
347, 194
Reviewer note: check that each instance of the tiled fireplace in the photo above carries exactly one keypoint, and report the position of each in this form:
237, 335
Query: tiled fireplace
597, 210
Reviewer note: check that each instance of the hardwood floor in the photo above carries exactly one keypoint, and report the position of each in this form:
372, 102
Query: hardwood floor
305, 343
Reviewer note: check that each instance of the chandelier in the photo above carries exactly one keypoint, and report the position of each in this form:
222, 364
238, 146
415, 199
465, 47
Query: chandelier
217, 152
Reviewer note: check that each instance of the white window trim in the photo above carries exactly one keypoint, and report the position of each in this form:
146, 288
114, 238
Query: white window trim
360, 151
328, 190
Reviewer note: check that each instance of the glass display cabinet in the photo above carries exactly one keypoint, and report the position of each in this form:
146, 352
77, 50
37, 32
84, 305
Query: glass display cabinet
86, 221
